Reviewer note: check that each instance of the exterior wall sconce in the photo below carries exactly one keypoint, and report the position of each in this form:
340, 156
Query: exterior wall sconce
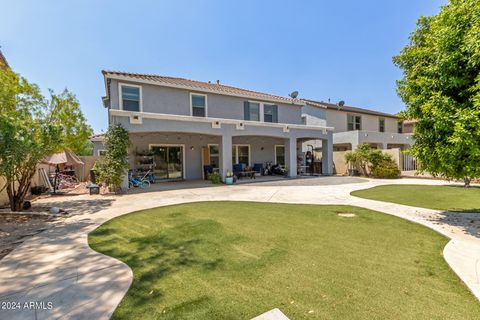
192, 148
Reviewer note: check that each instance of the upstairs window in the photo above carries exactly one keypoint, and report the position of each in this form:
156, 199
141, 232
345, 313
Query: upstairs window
130, 98
199, 105
381, 125
400, 127
251, 111
354, 122
270, 113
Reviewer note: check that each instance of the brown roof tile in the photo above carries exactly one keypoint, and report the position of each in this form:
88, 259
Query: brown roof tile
203, 86
332, 106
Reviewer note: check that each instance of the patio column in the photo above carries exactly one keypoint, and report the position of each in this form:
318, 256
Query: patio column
225, 155
327, 156
291, 156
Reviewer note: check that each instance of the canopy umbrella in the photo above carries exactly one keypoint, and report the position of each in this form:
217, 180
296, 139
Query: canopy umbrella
67, 158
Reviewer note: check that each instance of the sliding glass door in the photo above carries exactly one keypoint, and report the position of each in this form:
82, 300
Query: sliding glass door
168, 162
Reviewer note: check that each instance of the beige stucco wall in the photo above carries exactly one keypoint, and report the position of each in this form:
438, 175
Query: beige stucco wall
340, 167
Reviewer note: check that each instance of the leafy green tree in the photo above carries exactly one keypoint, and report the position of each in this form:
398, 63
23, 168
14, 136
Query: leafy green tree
441, 89
31, 127
76, 130
112, 167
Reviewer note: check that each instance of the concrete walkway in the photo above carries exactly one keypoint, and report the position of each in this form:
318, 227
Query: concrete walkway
58, 266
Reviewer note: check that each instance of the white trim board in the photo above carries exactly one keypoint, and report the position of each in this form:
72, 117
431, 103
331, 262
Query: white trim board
120, 96
164, 116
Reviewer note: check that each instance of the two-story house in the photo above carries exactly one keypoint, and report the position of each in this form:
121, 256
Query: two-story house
354, 126
182, 125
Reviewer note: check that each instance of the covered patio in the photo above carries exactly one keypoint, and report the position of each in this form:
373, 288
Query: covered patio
182, 149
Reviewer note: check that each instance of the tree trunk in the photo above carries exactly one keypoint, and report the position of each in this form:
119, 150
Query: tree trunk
466, 181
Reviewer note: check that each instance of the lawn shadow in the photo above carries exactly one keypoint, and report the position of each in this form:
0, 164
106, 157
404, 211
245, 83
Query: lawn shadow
155, 257
75, 207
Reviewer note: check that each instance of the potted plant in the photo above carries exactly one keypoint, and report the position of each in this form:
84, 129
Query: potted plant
215, 177
229, 178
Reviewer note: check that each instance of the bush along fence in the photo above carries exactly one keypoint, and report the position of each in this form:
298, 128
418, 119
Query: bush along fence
371, 162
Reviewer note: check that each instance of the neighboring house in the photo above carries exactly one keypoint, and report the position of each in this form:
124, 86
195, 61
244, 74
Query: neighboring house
98, 147
408, 126
354, 126
183, 125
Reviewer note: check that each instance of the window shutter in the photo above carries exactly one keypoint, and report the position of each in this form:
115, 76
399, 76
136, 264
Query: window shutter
275, 113
246, 110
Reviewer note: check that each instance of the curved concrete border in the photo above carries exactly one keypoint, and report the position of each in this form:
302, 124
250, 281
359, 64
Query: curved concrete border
58, 266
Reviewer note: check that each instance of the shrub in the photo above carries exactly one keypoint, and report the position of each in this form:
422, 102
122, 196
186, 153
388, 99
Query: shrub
386, 169
215, 177
372, 162
112, 167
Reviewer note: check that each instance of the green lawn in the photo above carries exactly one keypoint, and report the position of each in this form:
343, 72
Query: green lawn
235, 260
452, 198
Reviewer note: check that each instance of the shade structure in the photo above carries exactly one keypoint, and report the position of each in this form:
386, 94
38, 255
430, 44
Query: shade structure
66, 157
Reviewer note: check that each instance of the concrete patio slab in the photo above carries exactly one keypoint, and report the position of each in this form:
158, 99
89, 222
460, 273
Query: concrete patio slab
58, 266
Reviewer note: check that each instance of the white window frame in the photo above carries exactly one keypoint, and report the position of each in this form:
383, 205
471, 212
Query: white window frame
100, 150
263, 110
184, 172
354, 122
209, 155
384, 124
191, 103
275, 153
120, 95
260, 110
249, 152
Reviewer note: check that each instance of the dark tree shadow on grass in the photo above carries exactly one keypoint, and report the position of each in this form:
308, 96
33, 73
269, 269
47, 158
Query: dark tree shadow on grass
154, 258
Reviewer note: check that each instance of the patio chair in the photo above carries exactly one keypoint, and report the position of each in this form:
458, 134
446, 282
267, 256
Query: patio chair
208, 169
237, 170
258, 168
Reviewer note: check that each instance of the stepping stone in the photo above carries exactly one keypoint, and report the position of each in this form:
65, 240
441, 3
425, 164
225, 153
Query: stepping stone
346, 215
274, 314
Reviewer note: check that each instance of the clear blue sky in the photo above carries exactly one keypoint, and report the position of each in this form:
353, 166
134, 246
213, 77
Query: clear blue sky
324, 49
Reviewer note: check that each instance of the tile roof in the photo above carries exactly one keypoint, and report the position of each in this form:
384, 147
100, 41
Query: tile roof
203, 86
98, 137
332, 106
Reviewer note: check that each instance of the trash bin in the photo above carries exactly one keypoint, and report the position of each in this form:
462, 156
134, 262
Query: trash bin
94, 189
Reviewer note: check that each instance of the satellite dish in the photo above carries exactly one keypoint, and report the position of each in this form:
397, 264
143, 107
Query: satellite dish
341, 103
293, 95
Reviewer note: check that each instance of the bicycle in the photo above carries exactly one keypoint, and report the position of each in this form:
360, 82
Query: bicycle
143, 182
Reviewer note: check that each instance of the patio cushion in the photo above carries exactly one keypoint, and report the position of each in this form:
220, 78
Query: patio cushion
258, 167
